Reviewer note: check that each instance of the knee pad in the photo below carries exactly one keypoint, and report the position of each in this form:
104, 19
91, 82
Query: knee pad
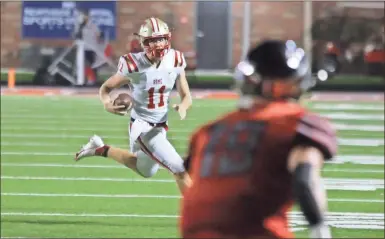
145, 165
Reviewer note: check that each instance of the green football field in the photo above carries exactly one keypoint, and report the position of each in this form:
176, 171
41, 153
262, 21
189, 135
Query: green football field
44, 193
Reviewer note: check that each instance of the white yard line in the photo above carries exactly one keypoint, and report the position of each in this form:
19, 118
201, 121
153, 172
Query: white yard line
355, 200
338, 126
331, 183
89, 195
353, 170
84, 215
360, 142
86, 195
17, 194
376, 128
342, 107
87, 117
54, 165
219, 104
87, 179
374, 221
352, 116
358, 159
341, 141
20, 237
48, 144
374, 125
56, 129
75, 117
101, 166
95, 123
363, 143
358, 215
340, 159
38, 153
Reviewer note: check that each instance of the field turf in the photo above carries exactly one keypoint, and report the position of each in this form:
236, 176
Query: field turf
44, 193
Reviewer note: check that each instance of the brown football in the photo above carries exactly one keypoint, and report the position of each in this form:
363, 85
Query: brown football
123, 99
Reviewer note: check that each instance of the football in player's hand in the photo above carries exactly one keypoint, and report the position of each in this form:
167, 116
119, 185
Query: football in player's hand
123, 99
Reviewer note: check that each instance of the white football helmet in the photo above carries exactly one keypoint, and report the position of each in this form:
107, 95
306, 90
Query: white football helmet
151, 29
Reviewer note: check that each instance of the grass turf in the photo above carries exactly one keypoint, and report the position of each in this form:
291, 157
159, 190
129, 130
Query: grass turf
40, 134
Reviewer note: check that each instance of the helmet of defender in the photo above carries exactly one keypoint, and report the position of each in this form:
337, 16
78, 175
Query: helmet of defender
155, 37
274, 70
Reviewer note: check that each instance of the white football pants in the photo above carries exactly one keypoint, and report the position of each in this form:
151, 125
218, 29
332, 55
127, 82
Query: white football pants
152, 148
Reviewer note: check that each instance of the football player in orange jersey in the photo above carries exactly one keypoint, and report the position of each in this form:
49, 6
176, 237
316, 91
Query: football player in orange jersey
251, 165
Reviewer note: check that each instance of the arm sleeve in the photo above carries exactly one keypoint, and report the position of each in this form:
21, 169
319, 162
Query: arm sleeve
123, 67
184, 63
316, 131
179, 61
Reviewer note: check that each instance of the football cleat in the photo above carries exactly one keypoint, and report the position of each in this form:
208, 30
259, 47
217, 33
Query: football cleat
94, 147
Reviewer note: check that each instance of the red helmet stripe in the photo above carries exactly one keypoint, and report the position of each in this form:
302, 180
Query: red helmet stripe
157, 24
154, 23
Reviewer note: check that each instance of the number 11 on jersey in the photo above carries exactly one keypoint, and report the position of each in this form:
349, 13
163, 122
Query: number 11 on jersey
151, 91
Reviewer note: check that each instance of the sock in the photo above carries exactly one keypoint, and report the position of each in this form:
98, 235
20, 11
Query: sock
102, 151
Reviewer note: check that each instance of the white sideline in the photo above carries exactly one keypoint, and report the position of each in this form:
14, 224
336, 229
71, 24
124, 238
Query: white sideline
56, 165
151, 196
341, 141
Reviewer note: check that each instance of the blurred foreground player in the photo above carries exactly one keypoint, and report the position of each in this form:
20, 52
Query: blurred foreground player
249, 166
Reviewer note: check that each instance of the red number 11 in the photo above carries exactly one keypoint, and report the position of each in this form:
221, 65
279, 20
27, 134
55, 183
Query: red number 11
151, 91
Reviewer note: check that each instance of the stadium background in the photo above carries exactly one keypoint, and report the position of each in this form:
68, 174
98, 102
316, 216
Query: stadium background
45, 194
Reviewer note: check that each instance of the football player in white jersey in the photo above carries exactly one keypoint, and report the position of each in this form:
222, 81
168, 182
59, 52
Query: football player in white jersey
152, 75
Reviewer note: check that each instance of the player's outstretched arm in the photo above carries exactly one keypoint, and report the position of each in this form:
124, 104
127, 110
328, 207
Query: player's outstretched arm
305, 163
185, 95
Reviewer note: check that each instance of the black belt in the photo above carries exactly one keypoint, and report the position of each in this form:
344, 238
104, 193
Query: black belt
152, 124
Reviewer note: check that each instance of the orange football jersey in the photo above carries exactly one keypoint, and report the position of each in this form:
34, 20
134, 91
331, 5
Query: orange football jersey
238, 165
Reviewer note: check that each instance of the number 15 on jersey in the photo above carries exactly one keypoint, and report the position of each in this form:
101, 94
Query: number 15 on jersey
151, 104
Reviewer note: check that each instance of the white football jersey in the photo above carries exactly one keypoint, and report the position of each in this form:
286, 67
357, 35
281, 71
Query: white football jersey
151, 83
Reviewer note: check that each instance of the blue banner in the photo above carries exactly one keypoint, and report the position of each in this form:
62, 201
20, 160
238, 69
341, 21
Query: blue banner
56, 19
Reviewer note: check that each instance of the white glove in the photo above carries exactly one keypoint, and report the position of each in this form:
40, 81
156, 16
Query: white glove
320, 231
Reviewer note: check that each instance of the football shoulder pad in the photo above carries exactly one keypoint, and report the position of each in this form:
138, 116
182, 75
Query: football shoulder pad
317, 131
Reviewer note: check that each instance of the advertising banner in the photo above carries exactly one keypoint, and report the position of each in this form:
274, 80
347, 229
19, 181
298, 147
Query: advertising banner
56, 19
